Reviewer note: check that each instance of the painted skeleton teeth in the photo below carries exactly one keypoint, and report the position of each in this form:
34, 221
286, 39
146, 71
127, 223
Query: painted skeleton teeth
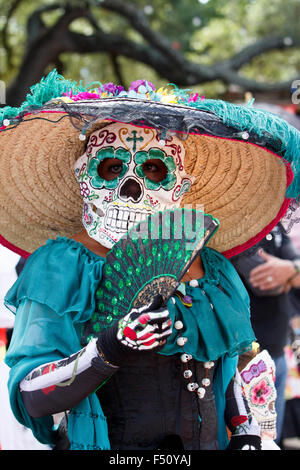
123, 219
113, 223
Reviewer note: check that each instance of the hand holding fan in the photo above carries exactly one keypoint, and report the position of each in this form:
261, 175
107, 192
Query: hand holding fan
149, 260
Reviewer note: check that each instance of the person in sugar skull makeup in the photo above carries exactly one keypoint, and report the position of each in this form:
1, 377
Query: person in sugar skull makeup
134, 153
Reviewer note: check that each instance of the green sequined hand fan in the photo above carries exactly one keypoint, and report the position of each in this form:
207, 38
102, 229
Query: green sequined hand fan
150, 259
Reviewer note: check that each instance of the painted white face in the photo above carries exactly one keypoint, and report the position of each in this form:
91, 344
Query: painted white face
125, 174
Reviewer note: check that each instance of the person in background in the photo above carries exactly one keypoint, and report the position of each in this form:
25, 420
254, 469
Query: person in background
269, 270
290, 439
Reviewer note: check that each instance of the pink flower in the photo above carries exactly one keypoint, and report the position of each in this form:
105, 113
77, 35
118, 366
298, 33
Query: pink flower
137, 83
196, 97
260, 392
112, 88
82, 96
193, 97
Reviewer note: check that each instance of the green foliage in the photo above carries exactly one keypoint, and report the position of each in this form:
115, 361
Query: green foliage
205, 31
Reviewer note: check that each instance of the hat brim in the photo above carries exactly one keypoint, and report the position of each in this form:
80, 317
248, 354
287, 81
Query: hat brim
240, 182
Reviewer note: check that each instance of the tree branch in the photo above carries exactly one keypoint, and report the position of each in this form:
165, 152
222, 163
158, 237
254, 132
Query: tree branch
35, 25
119, 45
190, 75
117, 70
140, 23
46, 44
266, 44
40, 52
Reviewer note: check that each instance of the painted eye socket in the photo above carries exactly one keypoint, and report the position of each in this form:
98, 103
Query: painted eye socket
110, 168
155, 170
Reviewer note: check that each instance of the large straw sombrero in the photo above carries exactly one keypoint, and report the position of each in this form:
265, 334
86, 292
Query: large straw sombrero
243, 160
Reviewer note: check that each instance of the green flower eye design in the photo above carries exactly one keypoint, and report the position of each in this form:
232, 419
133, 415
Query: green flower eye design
154, 153
97, 181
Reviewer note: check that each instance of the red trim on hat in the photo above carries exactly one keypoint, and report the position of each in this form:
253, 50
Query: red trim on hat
14, 248
240, 248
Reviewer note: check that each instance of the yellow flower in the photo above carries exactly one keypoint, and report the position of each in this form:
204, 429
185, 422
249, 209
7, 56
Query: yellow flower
65, 99
169, 99
164, 91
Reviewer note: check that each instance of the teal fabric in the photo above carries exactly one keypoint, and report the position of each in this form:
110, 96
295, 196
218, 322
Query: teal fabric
55, 295
41, 336
63, 275
219, 333
223, 329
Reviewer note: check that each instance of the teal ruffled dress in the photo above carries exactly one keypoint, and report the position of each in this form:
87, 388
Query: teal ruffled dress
55, 296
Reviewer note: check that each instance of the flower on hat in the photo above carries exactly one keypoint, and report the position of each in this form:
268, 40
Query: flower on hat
169, 99
141, 86
105, 90
164, 95
195, 97
85, 95
111, 88
141, 89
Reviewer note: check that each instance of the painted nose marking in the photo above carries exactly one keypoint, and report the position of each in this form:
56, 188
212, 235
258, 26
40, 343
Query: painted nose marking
131, 189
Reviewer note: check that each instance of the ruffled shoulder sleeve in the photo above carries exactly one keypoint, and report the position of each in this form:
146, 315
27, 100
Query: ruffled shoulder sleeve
221, 271
63, 275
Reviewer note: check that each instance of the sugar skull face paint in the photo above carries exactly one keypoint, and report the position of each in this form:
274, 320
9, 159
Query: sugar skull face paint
125, 174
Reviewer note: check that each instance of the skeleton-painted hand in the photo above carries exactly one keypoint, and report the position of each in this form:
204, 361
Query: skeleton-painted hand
141, 329
144, 330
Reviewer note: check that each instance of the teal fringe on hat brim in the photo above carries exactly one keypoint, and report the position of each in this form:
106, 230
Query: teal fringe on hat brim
51, 86
242, 117
263, 123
